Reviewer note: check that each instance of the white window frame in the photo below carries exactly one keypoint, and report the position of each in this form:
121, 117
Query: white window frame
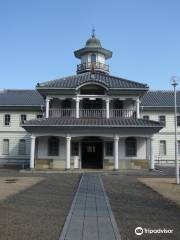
164, 153
50, 152
7, 125
178, 147
24, 149
164, 122
72, 150
146, 116
108, 155
21, 121
3, 146
39, 115
178, 116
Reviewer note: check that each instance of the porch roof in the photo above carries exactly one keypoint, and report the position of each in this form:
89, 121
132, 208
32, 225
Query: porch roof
101, 122
111, 82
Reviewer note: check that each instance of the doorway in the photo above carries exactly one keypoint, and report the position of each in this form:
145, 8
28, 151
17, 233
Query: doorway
92, 153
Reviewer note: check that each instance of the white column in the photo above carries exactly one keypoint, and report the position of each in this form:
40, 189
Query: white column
151, 140
77, 107
137, 108
47, 107
116, 152
107, 107
32, 155
68, 152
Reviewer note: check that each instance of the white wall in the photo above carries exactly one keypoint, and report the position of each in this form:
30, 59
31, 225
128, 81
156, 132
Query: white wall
167, 134
14, 133
87, 58
43, 149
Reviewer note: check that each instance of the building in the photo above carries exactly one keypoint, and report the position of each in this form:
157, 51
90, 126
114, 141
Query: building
89, 120
159, 106
17, 106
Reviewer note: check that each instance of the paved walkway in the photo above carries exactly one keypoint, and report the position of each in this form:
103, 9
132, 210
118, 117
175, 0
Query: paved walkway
90, 217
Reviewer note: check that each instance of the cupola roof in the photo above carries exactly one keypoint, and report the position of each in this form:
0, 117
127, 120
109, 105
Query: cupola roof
93, 42
93, 45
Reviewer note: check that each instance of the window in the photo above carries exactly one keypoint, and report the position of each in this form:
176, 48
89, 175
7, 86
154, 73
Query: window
109, 149
146, 117
162, 120
131, 147
39, 116
5, 146
23, 118
93, 58
178, 121
22, 147
7, 119
178, 143
53, 146
162, 147
75, 149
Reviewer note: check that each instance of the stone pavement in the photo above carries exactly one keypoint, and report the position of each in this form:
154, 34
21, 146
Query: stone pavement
90, 217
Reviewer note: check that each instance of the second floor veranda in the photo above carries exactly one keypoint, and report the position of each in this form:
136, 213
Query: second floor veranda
92, 108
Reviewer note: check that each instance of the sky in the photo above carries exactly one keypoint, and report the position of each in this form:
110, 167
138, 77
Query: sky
38, 38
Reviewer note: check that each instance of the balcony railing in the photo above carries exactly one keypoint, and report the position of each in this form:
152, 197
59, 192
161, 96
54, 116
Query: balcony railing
59, 112
92, 113
95, 65
122, 113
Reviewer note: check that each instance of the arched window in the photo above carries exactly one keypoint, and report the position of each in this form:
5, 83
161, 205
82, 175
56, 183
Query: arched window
93, 58
53, 146
131, 147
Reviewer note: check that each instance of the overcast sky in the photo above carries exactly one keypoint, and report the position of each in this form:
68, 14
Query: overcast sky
38, 37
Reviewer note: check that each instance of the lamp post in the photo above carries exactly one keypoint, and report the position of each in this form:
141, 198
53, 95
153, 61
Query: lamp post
174, 82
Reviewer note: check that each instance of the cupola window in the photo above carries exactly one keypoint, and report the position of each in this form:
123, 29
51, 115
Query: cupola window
93, 58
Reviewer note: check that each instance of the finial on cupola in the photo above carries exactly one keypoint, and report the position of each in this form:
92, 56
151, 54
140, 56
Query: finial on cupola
93, 35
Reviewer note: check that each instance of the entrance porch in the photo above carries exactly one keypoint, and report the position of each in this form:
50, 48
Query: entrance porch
108, 152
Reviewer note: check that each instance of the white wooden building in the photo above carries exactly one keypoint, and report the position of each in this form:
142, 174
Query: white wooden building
159, 106
89, 120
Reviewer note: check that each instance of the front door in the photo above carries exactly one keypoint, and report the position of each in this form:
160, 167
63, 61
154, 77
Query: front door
92, 155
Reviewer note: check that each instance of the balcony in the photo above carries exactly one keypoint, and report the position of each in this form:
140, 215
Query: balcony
92, 113
97, 66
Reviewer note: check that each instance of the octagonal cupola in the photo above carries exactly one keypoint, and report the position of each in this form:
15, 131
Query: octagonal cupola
93, 56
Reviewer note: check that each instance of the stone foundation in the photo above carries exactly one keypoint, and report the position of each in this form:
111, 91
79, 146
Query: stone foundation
49, 164
108, 164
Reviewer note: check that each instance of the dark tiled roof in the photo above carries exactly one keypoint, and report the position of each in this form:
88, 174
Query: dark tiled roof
123, 122
20, 98
160, 99
104, 79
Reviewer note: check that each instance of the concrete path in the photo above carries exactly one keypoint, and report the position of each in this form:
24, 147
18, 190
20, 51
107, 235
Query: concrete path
90, 217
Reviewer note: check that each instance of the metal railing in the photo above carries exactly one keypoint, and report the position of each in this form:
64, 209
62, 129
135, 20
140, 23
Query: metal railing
165, 160
95, 65
92, 113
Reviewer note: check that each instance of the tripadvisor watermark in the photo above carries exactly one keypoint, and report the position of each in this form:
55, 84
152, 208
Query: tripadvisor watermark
140, 231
